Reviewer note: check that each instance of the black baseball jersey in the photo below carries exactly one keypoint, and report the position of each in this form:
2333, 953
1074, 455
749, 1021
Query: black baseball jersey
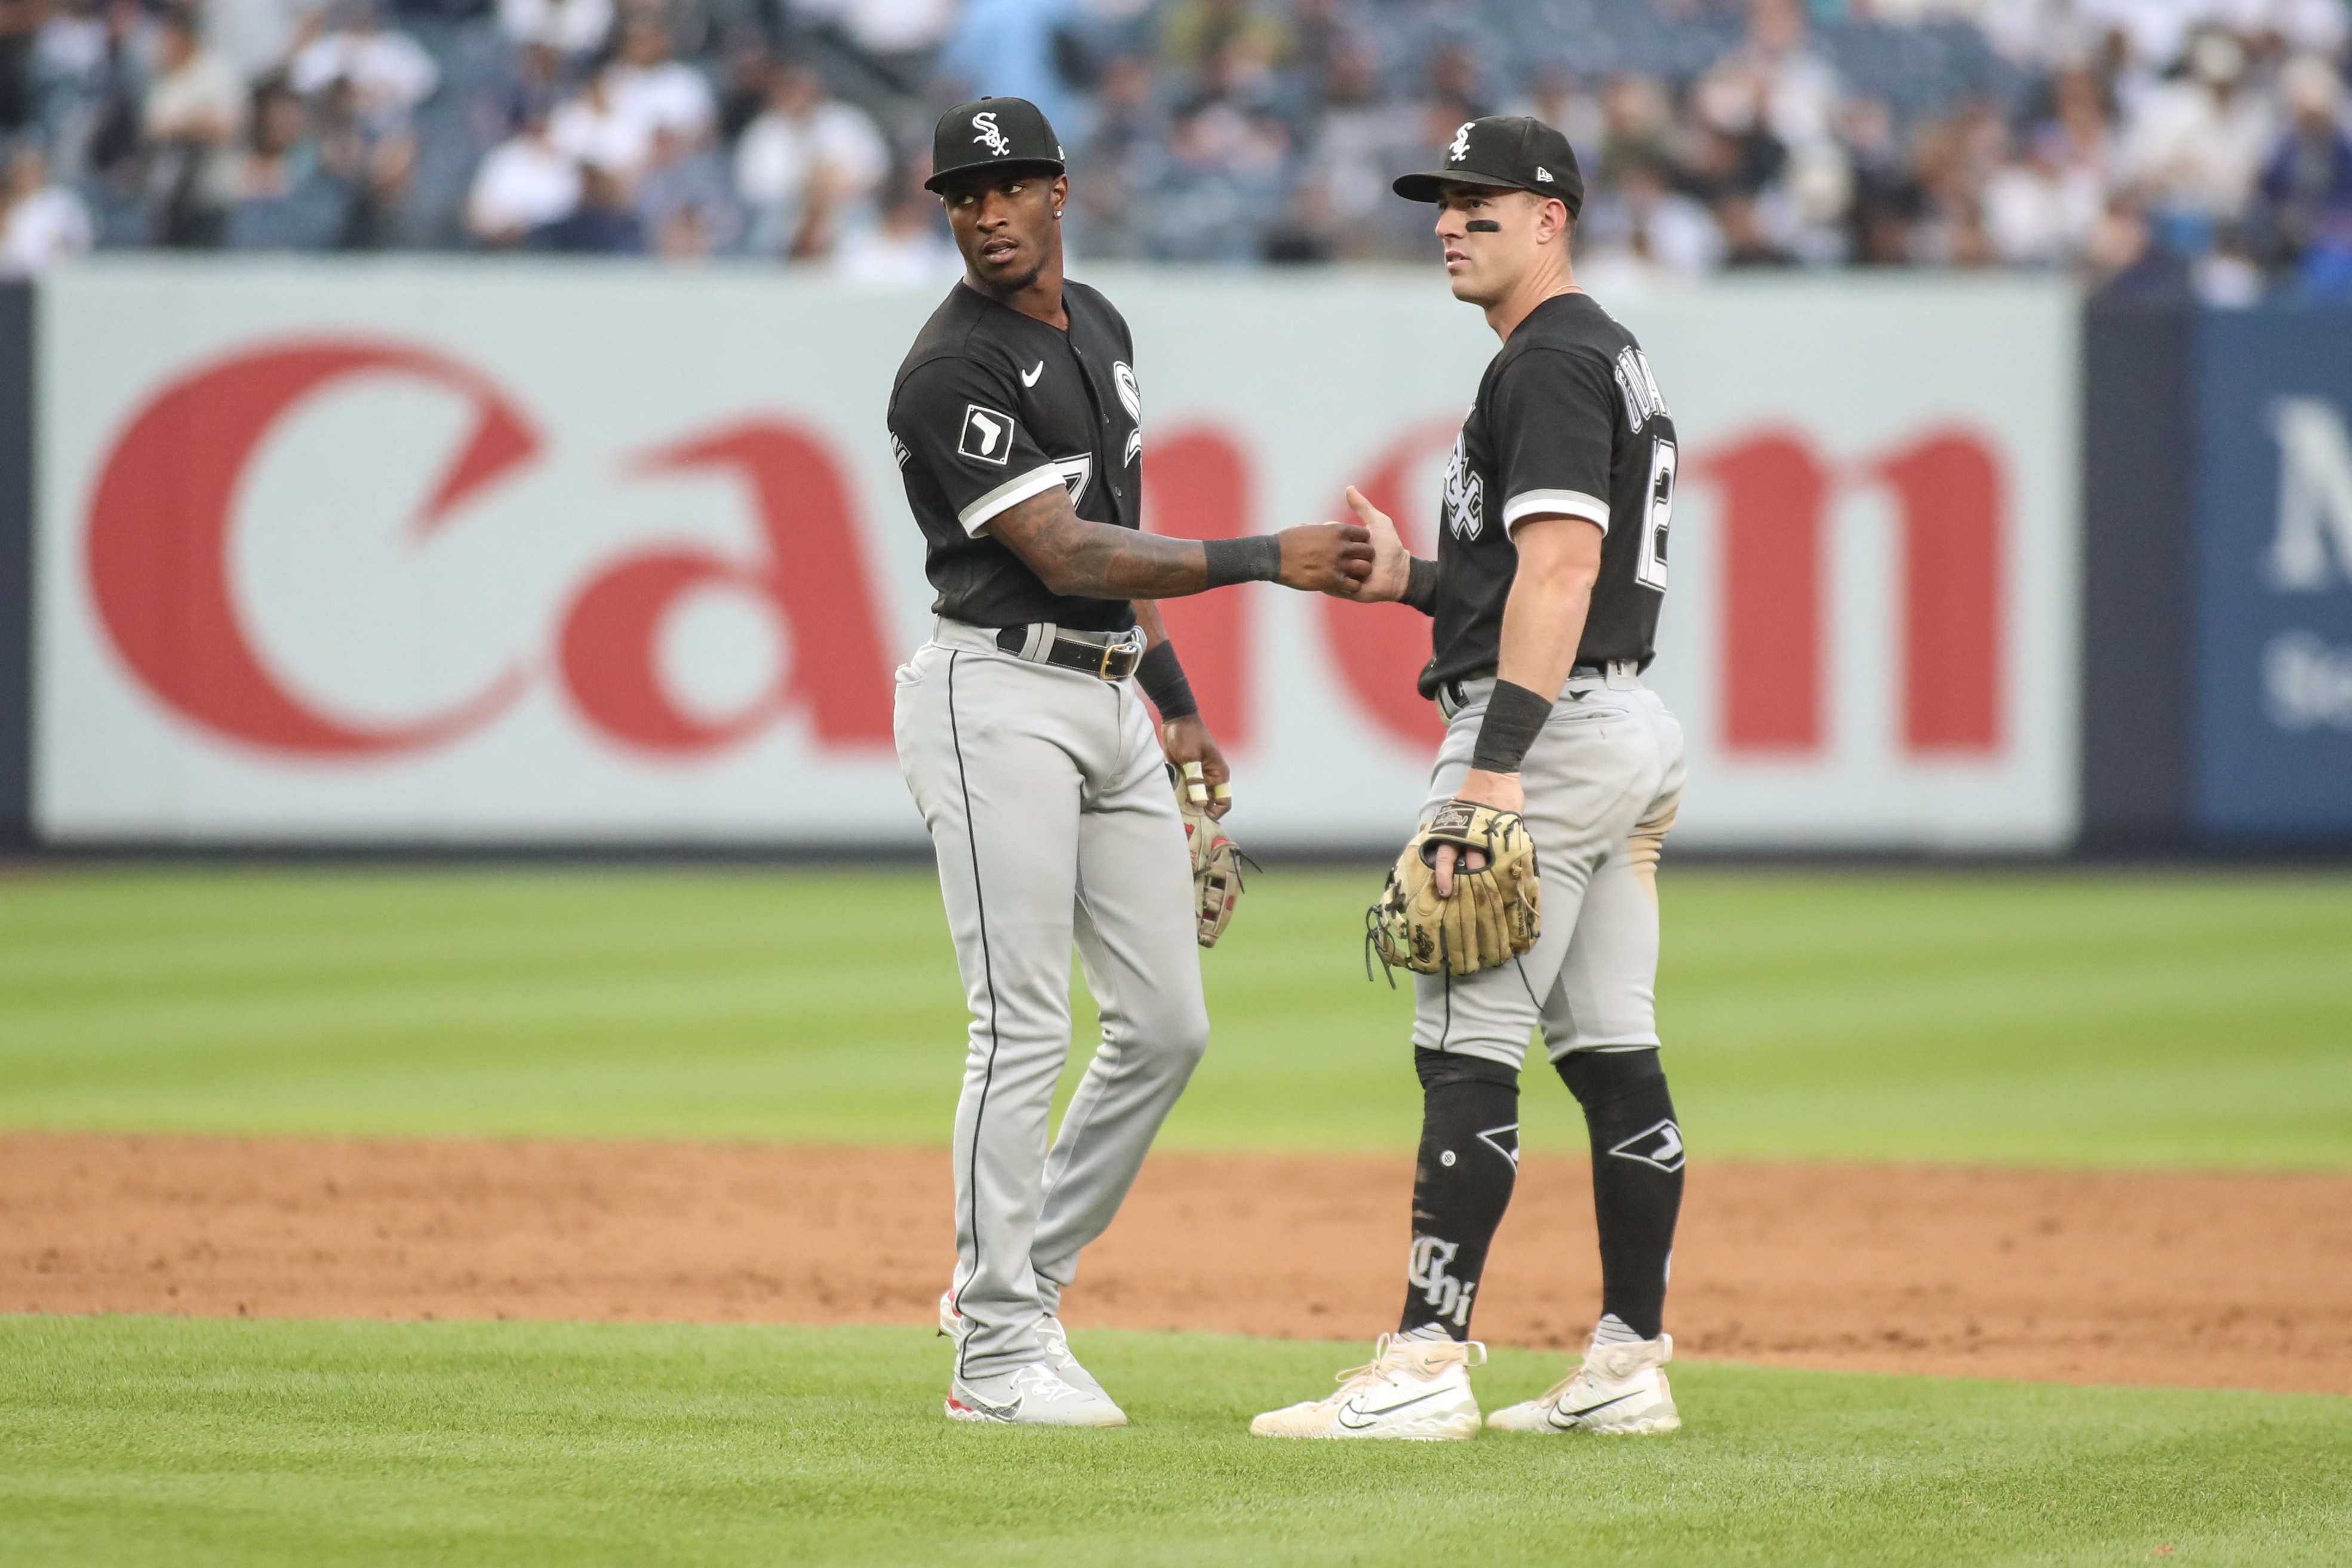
992, 407
1568, 422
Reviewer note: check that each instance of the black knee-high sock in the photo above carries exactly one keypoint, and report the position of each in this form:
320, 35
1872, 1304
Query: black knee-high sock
1637, 1177
1469, 1158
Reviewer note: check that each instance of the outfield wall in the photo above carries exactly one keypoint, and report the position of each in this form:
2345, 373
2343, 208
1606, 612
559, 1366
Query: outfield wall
440, 552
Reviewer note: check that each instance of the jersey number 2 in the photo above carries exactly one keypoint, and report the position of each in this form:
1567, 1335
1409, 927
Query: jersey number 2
1650, 571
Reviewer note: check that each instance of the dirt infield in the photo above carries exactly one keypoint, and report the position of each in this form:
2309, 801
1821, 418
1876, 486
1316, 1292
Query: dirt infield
2218, 1281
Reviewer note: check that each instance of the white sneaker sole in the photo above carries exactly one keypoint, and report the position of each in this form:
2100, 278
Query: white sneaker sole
958, 1411
1647, 1424
1455, 1429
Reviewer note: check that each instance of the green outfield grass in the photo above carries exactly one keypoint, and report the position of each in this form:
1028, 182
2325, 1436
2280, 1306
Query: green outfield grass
2059, 1016
132, 1441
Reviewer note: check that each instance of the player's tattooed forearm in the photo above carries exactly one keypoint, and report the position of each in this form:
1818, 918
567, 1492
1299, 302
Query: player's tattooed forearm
1095, 560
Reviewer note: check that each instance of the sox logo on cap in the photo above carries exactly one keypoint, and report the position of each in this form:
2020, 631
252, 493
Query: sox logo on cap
990, 136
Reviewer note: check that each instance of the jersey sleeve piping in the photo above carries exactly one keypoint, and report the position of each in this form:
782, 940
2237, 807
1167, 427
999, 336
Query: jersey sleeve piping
1555, 503
1009, 494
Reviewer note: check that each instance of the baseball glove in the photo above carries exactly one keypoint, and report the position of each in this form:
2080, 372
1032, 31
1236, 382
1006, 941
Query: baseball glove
1495, 912
1216, 859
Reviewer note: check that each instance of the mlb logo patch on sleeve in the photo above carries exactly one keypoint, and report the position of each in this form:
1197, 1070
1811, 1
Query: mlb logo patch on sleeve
987, 435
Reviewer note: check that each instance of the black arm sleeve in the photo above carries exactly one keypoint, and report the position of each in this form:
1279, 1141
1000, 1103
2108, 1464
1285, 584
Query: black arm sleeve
1421, 585
1162, 679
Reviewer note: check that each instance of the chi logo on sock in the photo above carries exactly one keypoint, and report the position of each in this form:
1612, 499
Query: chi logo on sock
1446, 1295
1661, 1146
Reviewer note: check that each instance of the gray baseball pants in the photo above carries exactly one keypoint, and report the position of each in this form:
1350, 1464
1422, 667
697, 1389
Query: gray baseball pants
1602, 781
1049, 808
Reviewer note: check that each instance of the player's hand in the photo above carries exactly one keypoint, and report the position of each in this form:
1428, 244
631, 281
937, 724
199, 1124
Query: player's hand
1391, 563
1186, 739
1326, 557
1501, 790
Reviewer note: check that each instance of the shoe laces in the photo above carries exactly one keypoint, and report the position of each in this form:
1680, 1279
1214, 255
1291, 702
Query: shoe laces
1373, 1371
1384, 1363
1036, 1375
1599, 1366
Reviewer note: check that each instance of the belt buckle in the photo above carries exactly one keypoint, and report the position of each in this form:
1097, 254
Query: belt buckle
1112, 650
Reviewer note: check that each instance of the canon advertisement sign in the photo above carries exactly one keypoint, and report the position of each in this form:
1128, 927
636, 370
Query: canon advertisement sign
435, 553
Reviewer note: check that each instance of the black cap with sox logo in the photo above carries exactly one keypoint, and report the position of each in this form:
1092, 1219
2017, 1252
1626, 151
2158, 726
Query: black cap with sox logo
990, 132
1506, 150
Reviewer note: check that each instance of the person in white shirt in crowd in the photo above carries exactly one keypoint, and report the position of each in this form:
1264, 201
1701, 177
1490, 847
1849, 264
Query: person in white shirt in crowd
905, 249
805, 159
589, 128
1799, 89
646, 84
525, 183
70, 54
195, 94
569, 27
1645, 232
2197, 144
388, 73
194, 105
2043, 205
40, 222
259, 36
2025, 216
900, 38
2304, 27
684, 201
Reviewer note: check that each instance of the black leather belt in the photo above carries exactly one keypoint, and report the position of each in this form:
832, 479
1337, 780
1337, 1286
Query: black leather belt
1106, 656
1457, 691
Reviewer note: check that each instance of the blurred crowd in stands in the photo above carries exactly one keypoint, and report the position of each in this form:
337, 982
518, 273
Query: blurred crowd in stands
2155, 145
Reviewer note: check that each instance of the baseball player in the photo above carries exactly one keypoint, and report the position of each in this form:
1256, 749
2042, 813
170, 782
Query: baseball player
1551, 564
1016, 422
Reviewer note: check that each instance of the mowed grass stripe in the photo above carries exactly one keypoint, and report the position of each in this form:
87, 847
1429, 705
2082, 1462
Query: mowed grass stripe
189, 1442
2055, 1016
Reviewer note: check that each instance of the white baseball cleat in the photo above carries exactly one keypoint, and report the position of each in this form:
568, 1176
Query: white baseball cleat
1029, 1395
1416, 1389
1050, 1333
1619, 1389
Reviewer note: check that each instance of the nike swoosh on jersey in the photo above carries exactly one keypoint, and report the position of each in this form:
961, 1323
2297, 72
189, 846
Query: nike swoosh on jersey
1370, 1415
1029, 377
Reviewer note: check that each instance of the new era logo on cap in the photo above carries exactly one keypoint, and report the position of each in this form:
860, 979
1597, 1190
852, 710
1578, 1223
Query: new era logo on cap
1544, 175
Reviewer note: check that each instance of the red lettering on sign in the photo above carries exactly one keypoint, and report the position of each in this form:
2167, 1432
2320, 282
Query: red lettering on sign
814, 579
1948, 486
1382, 649
1774, 492
162, 515
1777, 492
1196, 485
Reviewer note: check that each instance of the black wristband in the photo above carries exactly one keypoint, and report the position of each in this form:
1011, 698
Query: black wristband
1421, 585
1162, 679
1515, 717
1257, 559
